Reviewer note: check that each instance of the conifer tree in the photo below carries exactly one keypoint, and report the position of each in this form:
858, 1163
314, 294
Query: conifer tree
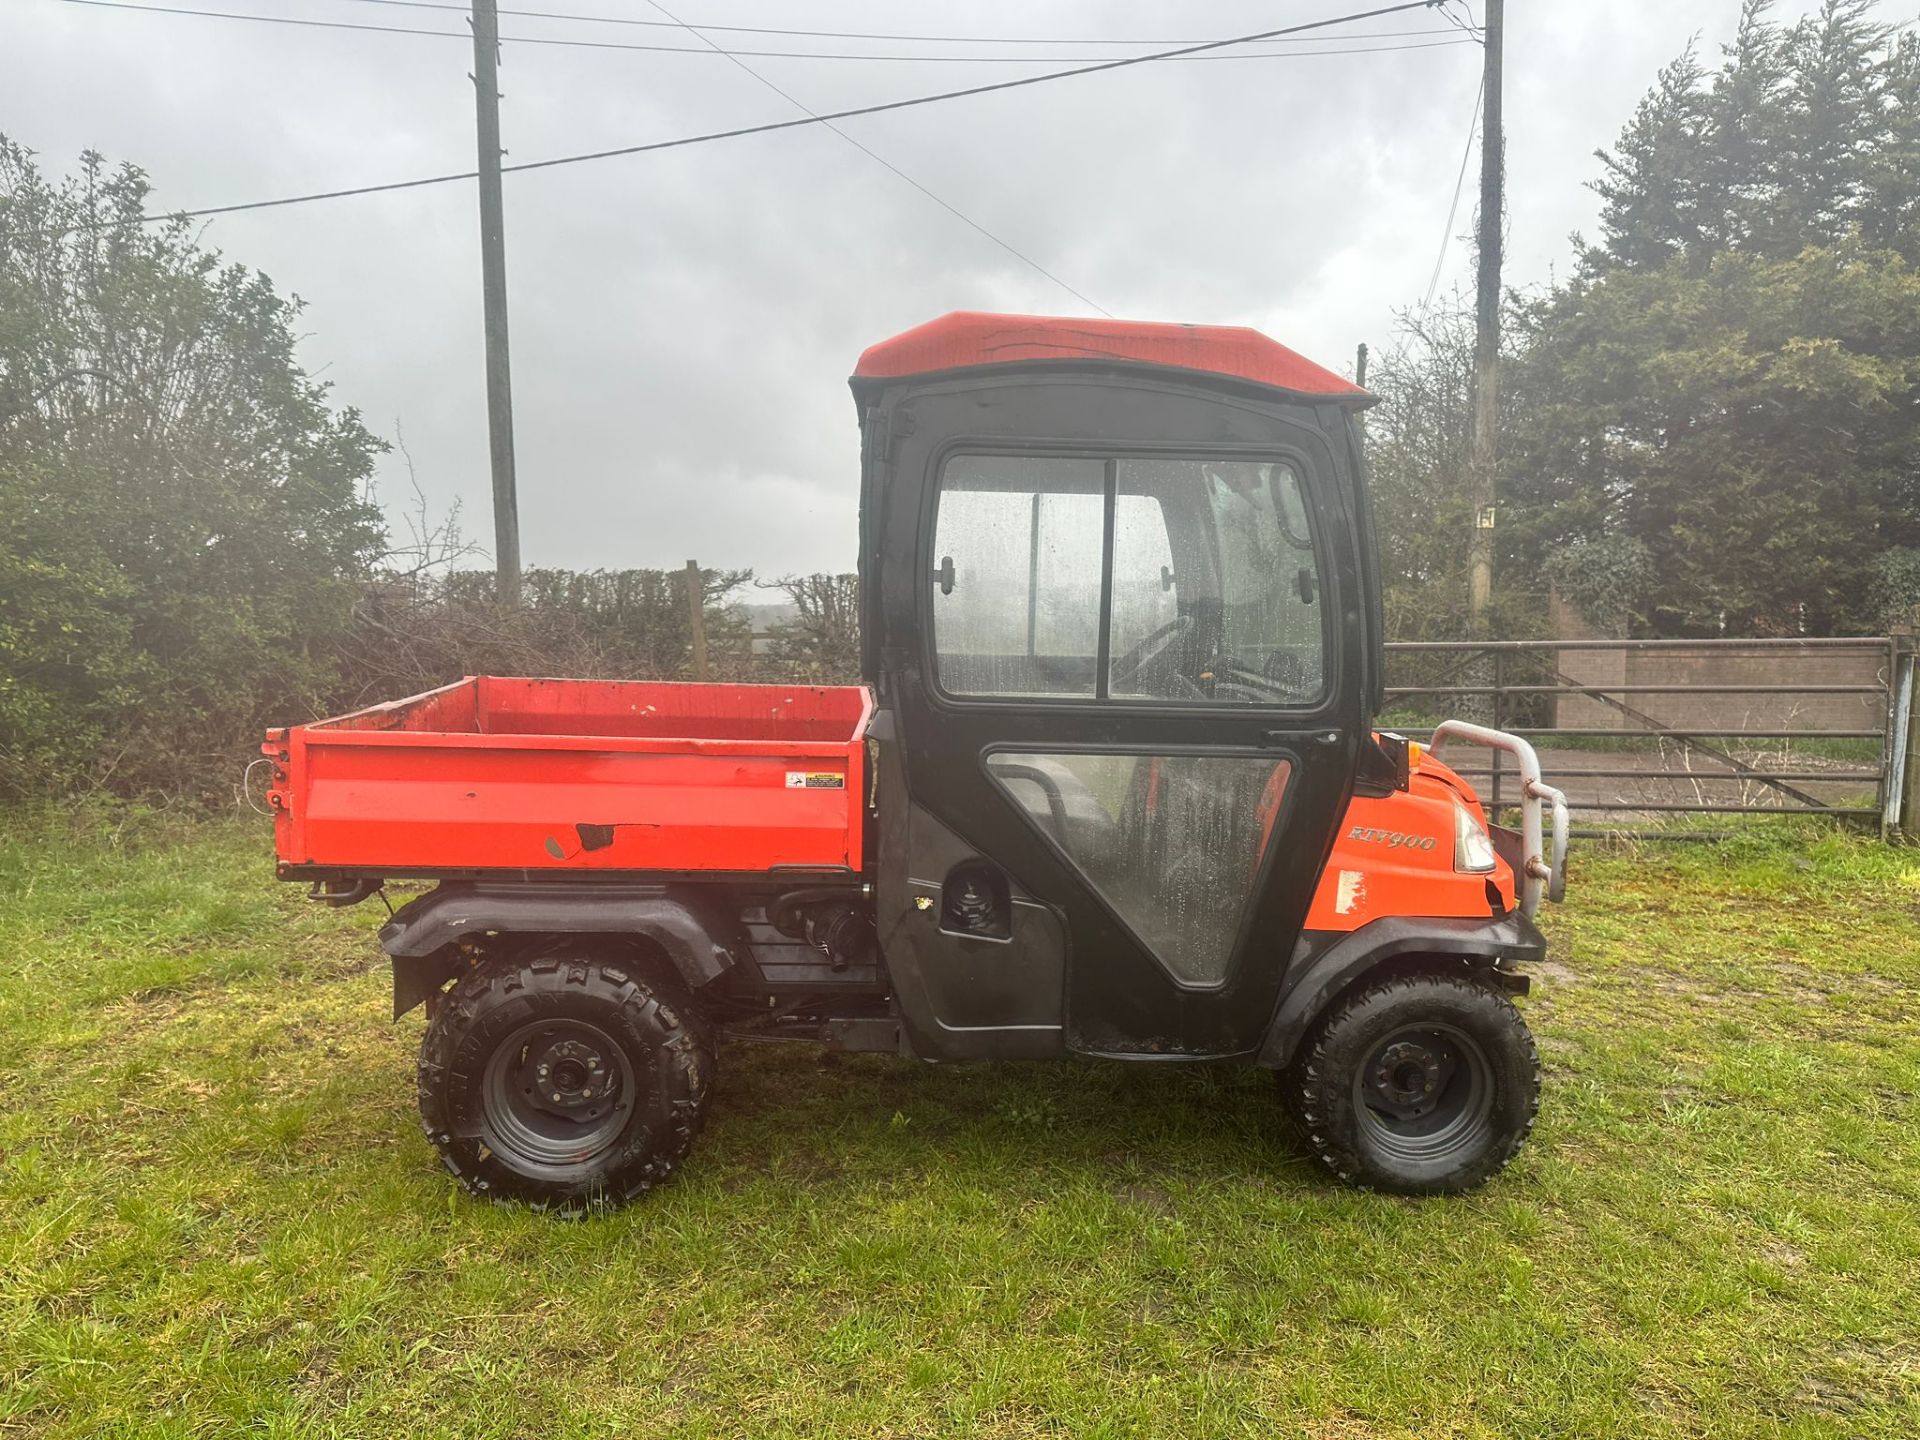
1727, 387
1652, 183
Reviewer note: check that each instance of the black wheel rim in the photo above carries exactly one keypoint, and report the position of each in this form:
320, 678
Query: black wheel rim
556, 1096
1424, 1095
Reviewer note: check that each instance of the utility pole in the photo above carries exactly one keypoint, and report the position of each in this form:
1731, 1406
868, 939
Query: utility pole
1486, 336
493, 293
1360, 379
697, 618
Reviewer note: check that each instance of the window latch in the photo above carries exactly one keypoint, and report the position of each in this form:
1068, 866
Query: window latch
945, 574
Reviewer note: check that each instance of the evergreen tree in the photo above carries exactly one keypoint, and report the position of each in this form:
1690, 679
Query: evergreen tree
1729, 386
1651, 188
1890, 209
1833, 125
1753, 427
1741, 178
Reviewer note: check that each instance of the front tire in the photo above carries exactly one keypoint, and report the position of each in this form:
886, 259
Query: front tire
1418, 1084
565, 1080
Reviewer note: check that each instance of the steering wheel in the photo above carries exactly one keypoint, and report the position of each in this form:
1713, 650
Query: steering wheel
1150, 660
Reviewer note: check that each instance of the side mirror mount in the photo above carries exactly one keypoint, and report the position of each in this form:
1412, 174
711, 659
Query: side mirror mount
1385, 764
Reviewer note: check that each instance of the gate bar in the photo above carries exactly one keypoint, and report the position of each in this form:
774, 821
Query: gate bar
1597, 691
1712, 776
1718, 809
1771, 642
1623, 734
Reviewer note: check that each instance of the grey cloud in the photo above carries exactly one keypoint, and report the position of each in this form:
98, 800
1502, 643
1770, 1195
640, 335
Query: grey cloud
683, 322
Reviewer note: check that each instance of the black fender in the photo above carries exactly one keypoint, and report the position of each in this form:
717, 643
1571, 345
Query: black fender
1326, 962
685, 925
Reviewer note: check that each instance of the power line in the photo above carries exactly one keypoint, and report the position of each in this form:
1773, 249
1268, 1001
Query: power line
457, 9
353, 25
951, 209
1467, 26
1473, 122
1021, 82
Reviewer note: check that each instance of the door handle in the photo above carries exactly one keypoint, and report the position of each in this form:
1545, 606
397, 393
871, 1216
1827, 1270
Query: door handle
1281, 737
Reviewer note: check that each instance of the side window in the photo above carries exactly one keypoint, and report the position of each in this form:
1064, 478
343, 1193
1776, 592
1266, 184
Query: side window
1017, 547
1270, 585
1215, 595
1241, 623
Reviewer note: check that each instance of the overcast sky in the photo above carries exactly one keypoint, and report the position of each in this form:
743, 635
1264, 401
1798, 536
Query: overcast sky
684, 322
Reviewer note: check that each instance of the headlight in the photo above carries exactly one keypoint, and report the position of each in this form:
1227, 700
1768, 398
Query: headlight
1472, 847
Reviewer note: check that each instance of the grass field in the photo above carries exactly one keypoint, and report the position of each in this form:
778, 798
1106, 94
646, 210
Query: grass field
218, 1216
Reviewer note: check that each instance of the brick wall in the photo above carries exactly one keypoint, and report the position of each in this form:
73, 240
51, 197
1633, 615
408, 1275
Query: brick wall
1726, 662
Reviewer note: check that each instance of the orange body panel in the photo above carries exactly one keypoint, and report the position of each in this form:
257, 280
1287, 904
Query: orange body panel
497, 774
1394, 856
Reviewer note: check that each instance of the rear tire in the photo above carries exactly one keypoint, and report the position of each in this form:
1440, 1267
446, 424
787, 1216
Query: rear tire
565, 1080
1418, 1085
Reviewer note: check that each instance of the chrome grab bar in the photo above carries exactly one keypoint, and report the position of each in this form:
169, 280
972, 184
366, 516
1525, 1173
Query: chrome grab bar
1541, 876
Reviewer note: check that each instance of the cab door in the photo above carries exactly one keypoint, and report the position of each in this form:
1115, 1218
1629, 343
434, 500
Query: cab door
1118, 623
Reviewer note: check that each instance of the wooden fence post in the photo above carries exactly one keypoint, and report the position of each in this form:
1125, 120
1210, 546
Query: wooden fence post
697, 618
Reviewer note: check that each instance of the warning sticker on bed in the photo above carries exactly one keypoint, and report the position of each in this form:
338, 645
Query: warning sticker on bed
815, 780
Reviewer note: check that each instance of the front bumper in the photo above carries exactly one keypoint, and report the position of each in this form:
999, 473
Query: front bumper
1533, 872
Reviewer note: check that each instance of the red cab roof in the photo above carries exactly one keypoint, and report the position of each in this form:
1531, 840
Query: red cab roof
966, 339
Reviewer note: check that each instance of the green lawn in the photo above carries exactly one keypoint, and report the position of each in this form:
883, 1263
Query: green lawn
218, 1215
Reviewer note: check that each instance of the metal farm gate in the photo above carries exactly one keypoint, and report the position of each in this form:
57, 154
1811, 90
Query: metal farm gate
1634, 730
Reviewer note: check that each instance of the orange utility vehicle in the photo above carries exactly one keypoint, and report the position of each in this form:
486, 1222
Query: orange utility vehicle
1111, 789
